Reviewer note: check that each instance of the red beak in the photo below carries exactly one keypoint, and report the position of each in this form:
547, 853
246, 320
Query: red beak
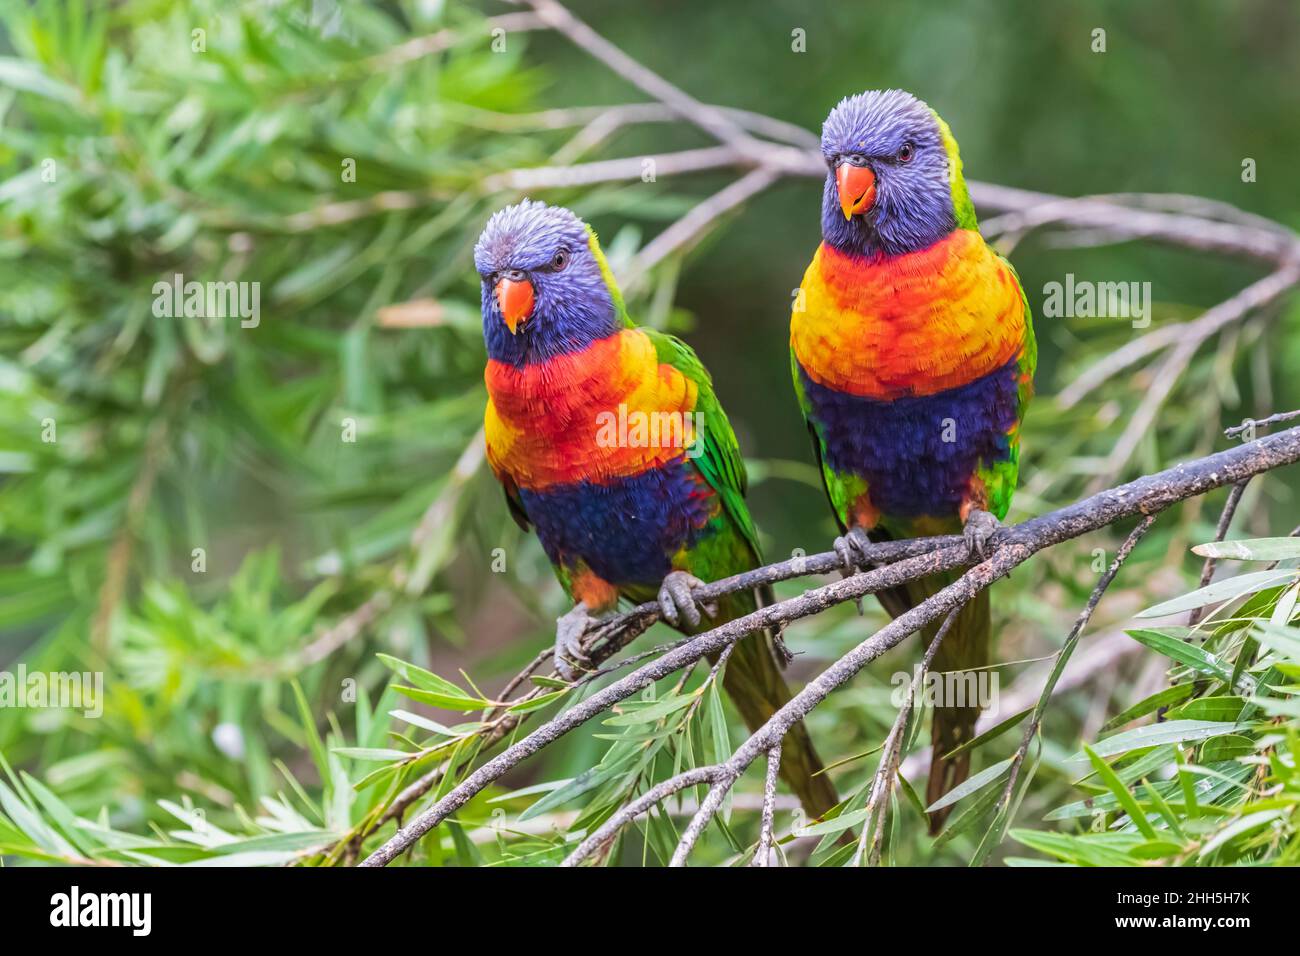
857, 188
515, 299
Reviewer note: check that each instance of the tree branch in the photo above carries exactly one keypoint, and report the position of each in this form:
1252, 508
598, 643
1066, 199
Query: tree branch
708, 118
1145, 496
769, 807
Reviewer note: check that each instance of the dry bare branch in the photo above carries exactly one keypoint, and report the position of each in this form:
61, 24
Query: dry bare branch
1145, 496
769, 807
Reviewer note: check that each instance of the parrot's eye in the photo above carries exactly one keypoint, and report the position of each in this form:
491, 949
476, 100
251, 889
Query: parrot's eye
906, 152
560, 260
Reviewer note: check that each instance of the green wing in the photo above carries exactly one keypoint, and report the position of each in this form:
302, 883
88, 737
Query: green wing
720, 462
1000, 478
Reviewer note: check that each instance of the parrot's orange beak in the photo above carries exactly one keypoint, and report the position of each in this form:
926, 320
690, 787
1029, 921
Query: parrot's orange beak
515, 299
857, 188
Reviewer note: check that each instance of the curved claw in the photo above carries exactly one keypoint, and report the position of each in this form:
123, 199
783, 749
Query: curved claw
979, 530
677, 600
569, 632
853, 548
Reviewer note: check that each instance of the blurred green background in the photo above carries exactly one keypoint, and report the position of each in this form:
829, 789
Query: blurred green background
226, 163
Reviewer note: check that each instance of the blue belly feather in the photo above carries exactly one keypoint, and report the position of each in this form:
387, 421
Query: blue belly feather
626, 530
899, 445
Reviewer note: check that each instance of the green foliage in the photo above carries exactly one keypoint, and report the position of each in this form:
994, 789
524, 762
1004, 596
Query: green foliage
1214, 780
147, 461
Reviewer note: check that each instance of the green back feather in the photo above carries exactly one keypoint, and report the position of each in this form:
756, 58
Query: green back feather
720, 461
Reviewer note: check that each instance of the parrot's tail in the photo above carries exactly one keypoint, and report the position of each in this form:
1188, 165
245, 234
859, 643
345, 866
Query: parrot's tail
753, 681
966, 646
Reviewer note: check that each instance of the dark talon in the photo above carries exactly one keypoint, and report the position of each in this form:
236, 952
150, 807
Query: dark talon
569, 632
677, 600
853, 549
979, 531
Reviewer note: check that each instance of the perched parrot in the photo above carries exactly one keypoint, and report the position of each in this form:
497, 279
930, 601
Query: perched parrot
575, 390
913, 357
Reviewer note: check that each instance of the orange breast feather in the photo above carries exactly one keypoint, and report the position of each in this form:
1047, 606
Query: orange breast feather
612, 410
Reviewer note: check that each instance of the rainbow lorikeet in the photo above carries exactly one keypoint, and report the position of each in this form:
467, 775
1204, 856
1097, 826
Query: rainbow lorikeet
609, 441
913, 356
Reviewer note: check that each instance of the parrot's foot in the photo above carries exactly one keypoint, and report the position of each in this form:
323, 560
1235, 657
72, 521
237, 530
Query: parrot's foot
569, 632
979, 530
677, 600
853, 549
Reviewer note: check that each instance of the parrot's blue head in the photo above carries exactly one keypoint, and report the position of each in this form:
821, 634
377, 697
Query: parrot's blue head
893, 182
546, 288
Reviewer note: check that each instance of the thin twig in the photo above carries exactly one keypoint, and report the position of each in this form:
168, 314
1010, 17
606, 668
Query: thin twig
708, 808
685, 231
1099, 658
882, 785
1184, 231
652, 797
1193, 334
1253, 423
769, 807
119, 556
708, 118
1220, 532
1146, 496
448, 37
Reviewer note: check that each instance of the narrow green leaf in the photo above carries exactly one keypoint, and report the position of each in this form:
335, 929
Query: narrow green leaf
969, 786
1284, 641
1188, 785
1251, 549
445, 701
1153, 735
991, 734
424, 723
632, 715
1162, 698
1220, 591
372, 753
1247, 824
1121, 793
421, 678
538, 702
1166, 812
1172, 643
1209, 708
